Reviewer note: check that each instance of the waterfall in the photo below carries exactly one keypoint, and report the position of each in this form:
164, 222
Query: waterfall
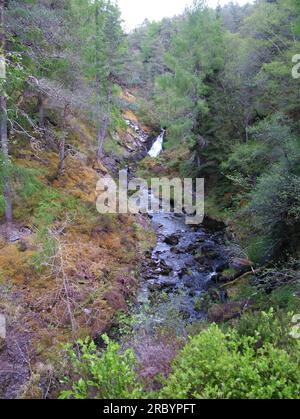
157, 146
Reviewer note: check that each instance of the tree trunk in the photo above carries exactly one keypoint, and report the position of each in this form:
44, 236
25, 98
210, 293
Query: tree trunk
62, 143
99, 112
41, 112
106, 118
3, 117
61, 164
98, 81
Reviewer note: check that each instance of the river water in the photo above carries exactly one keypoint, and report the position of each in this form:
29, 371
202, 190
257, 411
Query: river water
157, 147
183, 265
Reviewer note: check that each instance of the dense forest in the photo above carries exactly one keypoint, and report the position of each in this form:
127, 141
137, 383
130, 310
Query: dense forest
137, 306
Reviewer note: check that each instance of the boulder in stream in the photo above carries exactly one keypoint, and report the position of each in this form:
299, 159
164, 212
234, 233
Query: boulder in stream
172, 240
162, 284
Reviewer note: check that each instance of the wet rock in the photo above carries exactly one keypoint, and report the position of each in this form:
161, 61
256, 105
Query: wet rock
154, 263
183, 260
172, 240
208, 245
190, 247
14, 237
211, 254
214, 295
184, 271
149, 275
213, 225
177, 250
215, 277
242, 264
221, 266
164, 268
189, 282
201, 239
203, 269
184, 313
162, 284
200, 259
209, 250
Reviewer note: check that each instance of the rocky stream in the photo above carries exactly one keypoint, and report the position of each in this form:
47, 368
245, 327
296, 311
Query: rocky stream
182, 268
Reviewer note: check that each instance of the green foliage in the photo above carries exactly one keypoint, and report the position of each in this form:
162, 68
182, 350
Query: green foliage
194, 55
24, 181
106, 375
274, 211
285, 298
220, 82
53, 206
246, 163
296, 4
216, 365
268, 327
265, 172
101, 45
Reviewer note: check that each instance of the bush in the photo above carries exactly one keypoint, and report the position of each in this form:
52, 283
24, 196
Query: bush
109, 375
24, 184
53, 206
246, 163
268, 328
274, 213
215, 365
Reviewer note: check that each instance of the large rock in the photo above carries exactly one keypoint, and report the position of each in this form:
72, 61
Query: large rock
242, 264
172, 240
236, 268
164, 269
162, 284
220, 313
209, 250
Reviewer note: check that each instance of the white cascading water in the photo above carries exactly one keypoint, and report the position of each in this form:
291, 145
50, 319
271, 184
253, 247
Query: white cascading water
157, 146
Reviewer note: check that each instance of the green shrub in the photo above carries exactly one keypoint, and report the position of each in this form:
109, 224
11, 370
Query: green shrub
246, 163
109, 375
24, 183
215, 365
286, 298
274, 212
268, 328
54, 206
